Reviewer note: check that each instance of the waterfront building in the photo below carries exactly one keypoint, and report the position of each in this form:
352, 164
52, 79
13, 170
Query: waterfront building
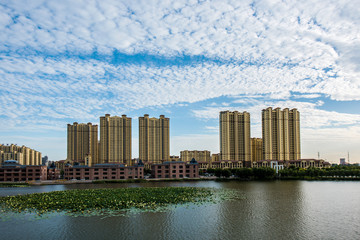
300, 163
199, 156
281, 134
235, 136
174, 170
82, 142
256, 149
106, 171
22, 154
115, 139
12, 171
154, 139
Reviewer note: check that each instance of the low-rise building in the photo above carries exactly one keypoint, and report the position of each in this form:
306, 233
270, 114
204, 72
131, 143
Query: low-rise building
11, 171
227, 164
301, 163
106, 171
178, 169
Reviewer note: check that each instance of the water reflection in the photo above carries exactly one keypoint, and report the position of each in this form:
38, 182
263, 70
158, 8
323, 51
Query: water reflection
269, 210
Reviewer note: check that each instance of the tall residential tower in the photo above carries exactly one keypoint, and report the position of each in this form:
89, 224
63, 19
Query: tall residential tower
154, 139
281, 134
235, 136
115, 139
82, 142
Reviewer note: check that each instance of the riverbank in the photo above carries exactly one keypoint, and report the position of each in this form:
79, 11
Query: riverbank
212, 178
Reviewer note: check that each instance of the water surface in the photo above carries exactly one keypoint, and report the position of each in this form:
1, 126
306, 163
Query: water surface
269, 210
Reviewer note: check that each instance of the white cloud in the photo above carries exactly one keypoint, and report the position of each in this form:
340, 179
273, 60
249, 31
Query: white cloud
57, 58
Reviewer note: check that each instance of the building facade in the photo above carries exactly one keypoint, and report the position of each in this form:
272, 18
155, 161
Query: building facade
175, 170
281, 134
154, 139
115, 139
104, 172
256, 149
22, 154
199, 156
82, 142
12, 171
300, 163
235, 136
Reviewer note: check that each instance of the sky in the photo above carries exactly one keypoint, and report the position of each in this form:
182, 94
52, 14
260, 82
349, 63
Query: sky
74, 61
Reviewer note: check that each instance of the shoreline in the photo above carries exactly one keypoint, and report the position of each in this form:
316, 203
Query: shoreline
69, 182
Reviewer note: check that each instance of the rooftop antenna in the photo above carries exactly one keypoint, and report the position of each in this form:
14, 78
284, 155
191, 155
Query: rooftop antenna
318, 155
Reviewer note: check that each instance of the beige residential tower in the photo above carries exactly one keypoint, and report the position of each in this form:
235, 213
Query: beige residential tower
82, 143
235, 136
281, 134
154, 139
115, 139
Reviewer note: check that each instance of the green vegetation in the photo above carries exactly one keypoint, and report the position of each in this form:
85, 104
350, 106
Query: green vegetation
337, 172
266, 173
97, 200
119, 181
244, 173
15, 184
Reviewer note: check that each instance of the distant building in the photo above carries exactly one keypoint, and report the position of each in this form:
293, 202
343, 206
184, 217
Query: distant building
215, 157
82, 142
177, 169
22, 154
154, 139
115, 139
106, 171
256, 149
45, 161
281, 134
199, 156
235, 136
343, 161
174, 158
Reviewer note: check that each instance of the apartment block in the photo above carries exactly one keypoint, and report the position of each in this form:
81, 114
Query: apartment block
281, 134
256, 149
199, 156
22, 154
82, 143
235, 136
115, 139
154, 139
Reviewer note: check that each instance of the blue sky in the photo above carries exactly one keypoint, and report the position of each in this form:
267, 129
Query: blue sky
66, 61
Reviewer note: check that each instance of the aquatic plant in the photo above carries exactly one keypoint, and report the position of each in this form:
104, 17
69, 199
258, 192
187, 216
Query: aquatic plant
89, 200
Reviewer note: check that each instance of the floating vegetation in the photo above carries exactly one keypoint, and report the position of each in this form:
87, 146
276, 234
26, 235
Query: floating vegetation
90, 202
14, 185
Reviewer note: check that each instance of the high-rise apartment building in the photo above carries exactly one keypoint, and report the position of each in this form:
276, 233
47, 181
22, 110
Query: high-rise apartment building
82, 142
154, 139
235, 136
22, 154
200, 156
256, 149
281, 134
115, 139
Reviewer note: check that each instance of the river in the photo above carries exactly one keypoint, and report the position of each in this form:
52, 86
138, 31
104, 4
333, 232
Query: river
267, 210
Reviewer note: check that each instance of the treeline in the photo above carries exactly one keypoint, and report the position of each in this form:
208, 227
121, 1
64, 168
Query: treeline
333, 172
244, 173
349, 172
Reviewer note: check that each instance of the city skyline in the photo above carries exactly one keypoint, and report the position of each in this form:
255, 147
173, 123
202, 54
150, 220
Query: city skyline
62, 62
